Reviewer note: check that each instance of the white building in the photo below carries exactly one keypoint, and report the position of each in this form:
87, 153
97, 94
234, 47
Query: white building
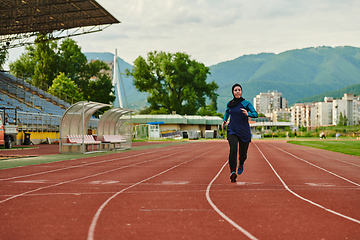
313, 115
267, 102
323, 112
301, 114
327, 112
280, 115
348, 106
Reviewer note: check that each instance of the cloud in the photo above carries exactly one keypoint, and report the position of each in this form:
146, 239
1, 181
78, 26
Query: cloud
212, 31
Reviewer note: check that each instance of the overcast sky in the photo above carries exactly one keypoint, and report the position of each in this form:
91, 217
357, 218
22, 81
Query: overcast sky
214, 31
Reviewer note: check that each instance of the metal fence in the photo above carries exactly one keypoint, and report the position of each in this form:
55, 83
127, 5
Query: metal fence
140, 131
42, 122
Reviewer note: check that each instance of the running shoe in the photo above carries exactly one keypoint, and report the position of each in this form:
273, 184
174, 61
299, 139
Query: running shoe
233, 177
240, 169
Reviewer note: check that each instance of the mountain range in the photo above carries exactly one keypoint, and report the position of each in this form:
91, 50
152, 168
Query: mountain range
353, 89
300, 74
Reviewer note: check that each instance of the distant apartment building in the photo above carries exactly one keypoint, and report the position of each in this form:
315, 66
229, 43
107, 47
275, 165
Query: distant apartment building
322, 113
267, 102
301, 114
280, 115
327, 113
349, 107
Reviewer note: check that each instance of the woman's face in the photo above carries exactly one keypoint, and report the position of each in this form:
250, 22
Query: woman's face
237, 92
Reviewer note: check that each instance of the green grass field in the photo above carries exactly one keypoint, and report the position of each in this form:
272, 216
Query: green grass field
351, 147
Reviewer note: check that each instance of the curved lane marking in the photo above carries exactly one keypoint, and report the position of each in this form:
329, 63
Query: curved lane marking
356, 184
302, 198
333, 158
82, 178
91, 231
249, 235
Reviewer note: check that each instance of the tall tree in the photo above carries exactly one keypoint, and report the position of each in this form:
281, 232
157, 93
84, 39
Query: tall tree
92, 70
208, 110
174, 82
341, 120
39, 62
24, 66
213, 102
71, 60
65, 86
99, 90
46, 61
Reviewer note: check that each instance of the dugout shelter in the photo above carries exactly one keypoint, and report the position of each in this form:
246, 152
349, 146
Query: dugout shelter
116, 122
74, 134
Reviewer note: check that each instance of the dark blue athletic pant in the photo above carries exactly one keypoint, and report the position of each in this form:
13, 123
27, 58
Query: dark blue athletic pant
234, 141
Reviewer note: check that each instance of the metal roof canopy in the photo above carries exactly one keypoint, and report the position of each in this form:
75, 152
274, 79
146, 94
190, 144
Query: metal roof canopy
167, 119
110, 121
213, 120
178, 119
32, 16
76, 119
195, 119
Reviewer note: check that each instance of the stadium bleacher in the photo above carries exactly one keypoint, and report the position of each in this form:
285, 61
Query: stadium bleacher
27, 98
35, 108
31, 105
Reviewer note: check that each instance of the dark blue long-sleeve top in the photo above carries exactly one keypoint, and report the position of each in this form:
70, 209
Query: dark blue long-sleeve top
239, 123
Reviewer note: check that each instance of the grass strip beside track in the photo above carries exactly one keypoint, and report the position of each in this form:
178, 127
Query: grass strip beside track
18, 162
350, 147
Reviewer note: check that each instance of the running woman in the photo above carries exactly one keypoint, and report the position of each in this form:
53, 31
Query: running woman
238, 131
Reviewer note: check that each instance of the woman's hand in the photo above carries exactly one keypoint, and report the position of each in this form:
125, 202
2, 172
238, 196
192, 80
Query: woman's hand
223, 124
244, 111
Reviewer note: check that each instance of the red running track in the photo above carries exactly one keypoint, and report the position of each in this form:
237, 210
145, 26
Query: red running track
184, 192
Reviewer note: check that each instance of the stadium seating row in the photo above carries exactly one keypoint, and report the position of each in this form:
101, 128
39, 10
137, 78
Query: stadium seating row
36, 109
31, 98
21, 84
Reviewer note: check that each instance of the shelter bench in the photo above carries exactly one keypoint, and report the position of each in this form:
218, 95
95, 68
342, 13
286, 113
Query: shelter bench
77, 140
112, 139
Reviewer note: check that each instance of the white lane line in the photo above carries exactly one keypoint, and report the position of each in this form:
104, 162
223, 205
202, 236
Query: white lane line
246, 233
82, 178
175, 182
316, 166
302, 198
160, 191
81, 165
175, 210
321, 184
104, 182
333, 158
31, 181
98, 212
